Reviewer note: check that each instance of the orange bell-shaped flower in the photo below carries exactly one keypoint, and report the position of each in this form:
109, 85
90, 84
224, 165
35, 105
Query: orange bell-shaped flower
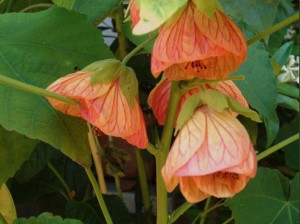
212, 155
198, 45
103, 105
159, 97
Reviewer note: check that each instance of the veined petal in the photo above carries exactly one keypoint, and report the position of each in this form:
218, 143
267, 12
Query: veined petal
158, 100
185, 146
134, 12
223, 31
225, 144
191, 192
139, 138
222, 184
112, 113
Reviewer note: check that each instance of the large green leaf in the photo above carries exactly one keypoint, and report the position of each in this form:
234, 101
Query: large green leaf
18, 5
259, 87
260, 15
95, 9
46, 218
268, 198
37, 49
14, 150
7, 205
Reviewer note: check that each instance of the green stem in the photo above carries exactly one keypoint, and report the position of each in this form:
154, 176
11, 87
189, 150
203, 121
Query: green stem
99, 195
179, 212
203, 216
137, 49
275, 28
61, 180
119, 17
175, 96
278, 146
151, 149
35, 90
8, 6
118, 186
36, 6
228, 220
97, 151
143, 180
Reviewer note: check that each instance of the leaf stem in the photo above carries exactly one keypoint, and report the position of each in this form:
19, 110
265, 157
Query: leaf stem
278, 146
274, 28
61, 180
151, 149
175, 96
143, 180
96, 154
119, 17
203, 216
37, 6
228, 220
179, 211
35, 90
137, 49
99, 195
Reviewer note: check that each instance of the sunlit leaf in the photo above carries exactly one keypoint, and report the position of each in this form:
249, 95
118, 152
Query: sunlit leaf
270, 196
14, 150
38, 55
7, 206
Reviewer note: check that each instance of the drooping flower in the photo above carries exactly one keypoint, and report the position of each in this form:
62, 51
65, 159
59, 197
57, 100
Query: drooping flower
198, 45
104, 105
159, 97
212, 155
134, 12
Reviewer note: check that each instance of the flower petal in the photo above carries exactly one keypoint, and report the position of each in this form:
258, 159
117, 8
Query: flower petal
226, 144
191, 193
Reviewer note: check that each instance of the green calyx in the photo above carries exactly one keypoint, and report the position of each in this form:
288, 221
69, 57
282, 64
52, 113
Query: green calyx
216, 101
129, 85
207, 7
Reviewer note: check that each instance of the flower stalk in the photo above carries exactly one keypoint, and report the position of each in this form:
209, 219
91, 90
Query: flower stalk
275, 28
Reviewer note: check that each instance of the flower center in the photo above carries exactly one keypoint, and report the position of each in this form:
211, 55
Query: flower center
225, 175
196, 65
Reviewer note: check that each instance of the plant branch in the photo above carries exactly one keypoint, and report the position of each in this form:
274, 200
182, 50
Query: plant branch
119, 17
99, 195
278, 146
35, 90
151, 149
274, 28
96, 154
37, 6
203, 216
179, 211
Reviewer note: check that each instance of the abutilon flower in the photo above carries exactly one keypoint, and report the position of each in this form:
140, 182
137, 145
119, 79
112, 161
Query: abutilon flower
211, 155
104, 105
134, 12
159, 97
199, 45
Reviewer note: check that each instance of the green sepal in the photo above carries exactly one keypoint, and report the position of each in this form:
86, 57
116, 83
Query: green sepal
216, 101
104, 71
208, 7
129, 85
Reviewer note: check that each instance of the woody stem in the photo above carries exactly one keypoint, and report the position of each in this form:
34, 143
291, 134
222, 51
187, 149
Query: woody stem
273, 29
119, 17
175, 96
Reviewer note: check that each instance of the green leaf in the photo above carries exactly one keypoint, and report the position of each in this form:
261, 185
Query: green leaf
270, 197
46, 218
68, 4
95, 9
18, 5
89, 212
291, 151
283, 53
129, 84
288, 90
7, 205
37, 161
14, 150
155, 13
260, 15
287, 102
259, 87
137, 40
39, 55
